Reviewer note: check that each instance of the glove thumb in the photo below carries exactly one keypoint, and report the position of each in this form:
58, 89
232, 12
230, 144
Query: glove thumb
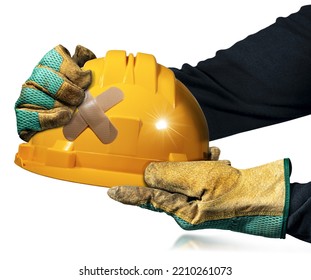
82, 55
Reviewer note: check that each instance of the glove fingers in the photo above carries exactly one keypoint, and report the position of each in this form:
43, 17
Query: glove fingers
30, 121
213, 153
72, 70
152, 199
59, 60
56, 85
180, 207
32, 97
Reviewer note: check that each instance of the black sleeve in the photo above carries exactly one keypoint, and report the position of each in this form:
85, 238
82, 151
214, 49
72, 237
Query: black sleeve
262, 80
299, 220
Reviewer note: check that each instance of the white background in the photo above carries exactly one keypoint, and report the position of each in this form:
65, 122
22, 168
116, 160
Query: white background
50, 228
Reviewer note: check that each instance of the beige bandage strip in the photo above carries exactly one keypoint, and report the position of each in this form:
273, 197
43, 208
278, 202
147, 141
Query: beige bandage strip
91, 114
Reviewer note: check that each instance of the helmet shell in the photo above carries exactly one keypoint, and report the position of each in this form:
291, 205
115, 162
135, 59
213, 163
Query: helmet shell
157, 120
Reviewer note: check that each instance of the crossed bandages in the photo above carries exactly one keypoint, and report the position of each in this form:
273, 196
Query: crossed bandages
91, 114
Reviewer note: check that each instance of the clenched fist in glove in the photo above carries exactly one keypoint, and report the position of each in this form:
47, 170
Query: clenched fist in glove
212, 194
53, 91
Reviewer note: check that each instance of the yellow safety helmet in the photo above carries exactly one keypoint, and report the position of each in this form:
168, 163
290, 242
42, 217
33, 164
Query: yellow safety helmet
135, 112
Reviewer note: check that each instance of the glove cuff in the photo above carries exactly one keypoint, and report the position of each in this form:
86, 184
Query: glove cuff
287, 172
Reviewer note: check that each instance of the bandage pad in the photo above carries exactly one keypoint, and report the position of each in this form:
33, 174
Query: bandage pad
91, 114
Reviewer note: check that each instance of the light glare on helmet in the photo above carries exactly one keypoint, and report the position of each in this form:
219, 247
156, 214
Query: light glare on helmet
161, 124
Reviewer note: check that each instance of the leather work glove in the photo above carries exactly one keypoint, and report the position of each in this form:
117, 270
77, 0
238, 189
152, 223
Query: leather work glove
212, 194
53, 91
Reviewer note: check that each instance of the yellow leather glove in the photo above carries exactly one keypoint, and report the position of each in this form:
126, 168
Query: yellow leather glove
53, 91
212, 194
